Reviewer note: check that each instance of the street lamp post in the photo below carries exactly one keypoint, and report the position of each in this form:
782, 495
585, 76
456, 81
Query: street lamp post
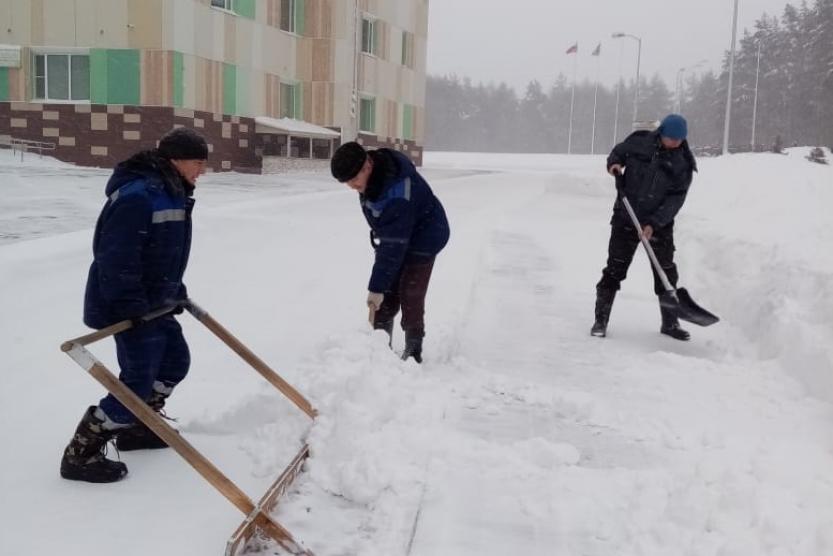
729, 88
638, 61
755, 102
680, 73
679, 90
618, 87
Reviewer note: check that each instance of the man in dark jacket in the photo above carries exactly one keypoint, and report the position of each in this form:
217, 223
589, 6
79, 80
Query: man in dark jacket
140, 251
658, 168
408, 228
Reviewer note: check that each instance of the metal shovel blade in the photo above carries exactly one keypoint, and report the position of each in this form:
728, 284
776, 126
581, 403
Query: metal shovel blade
680, 303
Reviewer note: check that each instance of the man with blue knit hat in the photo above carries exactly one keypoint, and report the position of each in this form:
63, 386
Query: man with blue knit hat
658, 167
408, 228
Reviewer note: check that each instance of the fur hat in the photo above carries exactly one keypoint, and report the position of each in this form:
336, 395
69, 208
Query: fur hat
183, 143
347, 161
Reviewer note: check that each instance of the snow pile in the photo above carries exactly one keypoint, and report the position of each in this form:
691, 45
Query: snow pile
757, 243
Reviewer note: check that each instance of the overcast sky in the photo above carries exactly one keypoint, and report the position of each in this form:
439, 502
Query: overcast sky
522, 40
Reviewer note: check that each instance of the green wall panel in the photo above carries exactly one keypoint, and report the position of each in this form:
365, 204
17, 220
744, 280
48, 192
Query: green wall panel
246, 8
243, 91
115, 76
408, 122
4, 83
179, 79
229, 89
123, 76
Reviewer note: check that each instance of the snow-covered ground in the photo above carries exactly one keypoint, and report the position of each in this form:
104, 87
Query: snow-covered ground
520, 434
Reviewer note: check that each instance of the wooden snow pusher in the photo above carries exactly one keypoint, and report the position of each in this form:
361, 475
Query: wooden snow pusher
258, 520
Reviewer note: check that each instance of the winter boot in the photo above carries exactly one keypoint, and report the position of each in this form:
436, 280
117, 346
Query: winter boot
84, 456
604, 303
387, 327
413, 346
671, 326
139, 436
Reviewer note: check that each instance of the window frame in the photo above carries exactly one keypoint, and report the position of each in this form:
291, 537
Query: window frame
372, 24
408, 40
228, 6
69, 53
362, 128
294, 87
293, 17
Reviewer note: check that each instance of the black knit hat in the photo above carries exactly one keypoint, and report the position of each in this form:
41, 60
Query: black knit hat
347, 161
183, 143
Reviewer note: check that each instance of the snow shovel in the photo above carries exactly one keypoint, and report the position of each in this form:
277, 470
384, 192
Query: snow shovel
678, 300
259, 518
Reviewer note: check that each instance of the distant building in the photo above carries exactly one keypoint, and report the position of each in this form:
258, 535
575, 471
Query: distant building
277, 80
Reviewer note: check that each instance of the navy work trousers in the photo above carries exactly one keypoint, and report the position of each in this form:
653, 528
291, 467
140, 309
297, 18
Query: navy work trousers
152, 352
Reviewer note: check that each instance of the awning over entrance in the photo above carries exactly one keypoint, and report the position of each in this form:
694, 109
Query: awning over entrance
295, 128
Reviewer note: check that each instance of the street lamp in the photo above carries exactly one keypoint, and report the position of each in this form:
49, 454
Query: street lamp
729, 88
638, 60
755, 102
618, 87
680, 72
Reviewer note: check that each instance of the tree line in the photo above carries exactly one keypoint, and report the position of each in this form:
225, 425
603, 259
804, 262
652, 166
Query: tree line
794, 100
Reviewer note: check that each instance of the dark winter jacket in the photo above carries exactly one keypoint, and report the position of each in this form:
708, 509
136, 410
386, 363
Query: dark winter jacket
141, 242
407, 221
656, 179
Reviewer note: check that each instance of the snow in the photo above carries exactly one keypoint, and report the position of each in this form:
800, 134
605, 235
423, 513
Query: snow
520, 434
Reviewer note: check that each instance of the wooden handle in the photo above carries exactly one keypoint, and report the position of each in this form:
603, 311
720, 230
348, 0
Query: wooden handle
113, 329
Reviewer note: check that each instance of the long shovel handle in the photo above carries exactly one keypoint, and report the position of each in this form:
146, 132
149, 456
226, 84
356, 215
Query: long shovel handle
113, 329
645, 243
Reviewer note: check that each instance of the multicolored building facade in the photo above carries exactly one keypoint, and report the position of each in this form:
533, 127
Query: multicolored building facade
100, 79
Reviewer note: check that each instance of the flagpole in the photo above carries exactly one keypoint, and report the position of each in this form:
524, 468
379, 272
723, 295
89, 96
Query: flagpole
595, 100
572, 103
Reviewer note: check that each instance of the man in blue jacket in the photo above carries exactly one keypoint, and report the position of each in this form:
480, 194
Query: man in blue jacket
140, 251
408, 227
658, 168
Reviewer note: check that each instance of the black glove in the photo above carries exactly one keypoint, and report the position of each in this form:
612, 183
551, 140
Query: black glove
137, 322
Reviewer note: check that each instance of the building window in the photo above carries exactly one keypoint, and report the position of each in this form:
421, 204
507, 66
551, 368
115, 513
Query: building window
222, 4
367, 115
290, 101
407, 49
369, 35
61, 77
289, 14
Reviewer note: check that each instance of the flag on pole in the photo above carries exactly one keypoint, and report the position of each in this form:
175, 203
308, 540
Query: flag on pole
573, 49
598, 50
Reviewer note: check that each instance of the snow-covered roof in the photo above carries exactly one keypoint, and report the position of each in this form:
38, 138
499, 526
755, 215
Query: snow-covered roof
265, 124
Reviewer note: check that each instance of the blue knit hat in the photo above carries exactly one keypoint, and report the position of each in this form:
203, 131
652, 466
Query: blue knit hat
673, 126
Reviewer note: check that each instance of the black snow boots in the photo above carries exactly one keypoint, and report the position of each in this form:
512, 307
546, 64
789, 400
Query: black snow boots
84, 458
139, 436
671, 326
413, 346
604, 303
